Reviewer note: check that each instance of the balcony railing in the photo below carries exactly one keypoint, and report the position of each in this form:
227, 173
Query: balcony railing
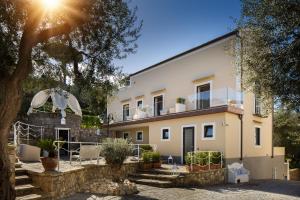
198, 101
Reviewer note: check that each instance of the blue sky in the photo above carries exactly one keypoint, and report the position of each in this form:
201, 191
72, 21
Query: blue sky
173, 26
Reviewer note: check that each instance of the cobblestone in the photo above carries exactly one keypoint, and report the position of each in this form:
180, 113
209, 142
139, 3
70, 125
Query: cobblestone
266, 190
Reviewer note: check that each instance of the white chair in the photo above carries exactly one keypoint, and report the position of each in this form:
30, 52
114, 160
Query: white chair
29, 153
86, 152
237, 173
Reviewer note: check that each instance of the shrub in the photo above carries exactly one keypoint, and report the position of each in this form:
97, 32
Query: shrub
115, 151
180, 100
147, 157
201, 158
188, 158
155, 157
146, 147
215, 157
47, 145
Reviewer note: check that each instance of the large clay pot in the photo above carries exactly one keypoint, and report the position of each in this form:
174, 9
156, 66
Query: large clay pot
147, 165
157, 164
49, 164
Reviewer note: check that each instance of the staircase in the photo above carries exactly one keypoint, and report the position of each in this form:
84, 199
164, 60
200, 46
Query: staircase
155, 177
24, 188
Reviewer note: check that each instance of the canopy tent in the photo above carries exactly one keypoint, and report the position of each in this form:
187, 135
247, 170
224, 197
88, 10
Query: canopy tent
60, 98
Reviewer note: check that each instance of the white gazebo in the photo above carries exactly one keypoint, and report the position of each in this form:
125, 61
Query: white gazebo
61, 99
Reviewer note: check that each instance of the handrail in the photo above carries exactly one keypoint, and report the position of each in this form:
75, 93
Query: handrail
19, 126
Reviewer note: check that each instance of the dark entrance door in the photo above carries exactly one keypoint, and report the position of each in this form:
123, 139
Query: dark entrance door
64, 136
188, 140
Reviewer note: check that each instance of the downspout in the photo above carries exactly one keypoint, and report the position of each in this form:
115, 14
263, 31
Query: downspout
241, 120
272, 129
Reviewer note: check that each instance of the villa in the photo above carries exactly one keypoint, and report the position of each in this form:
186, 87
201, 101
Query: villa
194, 101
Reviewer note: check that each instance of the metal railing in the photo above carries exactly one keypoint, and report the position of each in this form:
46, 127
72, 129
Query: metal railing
27, 132
137, 148
197, 101
204, 159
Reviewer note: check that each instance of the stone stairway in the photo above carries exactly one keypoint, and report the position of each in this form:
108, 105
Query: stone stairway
24, 188
155, 177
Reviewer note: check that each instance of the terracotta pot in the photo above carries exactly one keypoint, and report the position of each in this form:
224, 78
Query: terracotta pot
215, 166
147, 166
157, 164
49, 164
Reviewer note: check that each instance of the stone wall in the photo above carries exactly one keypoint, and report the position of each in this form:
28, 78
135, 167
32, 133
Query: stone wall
211, 177
59, 185
12, 158
295, 174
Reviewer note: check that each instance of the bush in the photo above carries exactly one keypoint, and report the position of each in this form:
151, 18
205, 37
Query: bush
147, 157
146, 147
201, 158
155, 157
215, 157
188, 158
115, 151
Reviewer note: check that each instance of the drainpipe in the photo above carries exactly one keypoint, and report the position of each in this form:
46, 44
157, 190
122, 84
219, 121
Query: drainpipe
241, 153
272, 129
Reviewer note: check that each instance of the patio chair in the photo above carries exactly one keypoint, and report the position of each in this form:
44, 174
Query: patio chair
237, 173
86, 152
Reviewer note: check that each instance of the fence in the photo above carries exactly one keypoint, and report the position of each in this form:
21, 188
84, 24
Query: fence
27, 132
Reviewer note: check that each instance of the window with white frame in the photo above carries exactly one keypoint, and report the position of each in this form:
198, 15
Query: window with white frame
125, 111
139, 104
125, 136
165, 134
208, 131
139, 136
257, 136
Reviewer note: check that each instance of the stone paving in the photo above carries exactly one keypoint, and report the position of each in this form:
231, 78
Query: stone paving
264, 190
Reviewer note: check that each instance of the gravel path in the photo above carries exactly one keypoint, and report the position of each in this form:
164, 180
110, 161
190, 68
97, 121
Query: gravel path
268, 190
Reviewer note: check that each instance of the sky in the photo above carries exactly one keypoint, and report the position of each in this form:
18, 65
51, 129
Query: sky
174, 26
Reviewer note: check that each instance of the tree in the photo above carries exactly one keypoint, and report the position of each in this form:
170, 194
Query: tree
89, 26
270, 37
287, 133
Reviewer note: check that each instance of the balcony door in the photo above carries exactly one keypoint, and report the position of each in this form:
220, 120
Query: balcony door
203, 96
158, 104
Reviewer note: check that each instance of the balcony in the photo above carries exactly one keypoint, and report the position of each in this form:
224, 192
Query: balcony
213, 101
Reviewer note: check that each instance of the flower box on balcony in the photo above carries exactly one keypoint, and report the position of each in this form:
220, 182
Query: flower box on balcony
180, 105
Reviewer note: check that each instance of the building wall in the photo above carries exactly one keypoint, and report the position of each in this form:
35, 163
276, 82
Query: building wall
132, 134
177, 76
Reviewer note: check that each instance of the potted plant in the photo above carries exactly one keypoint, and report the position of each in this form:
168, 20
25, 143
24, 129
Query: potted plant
156, 160
180, 105
215, 160
49, 162
188, 161
147, 160
201, 158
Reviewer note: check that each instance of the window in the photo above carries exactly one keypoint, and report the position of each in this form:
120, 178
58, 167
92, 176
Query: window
257, 105
139, 136
257, 136
125, 112
158, 105
165, 134
203, 96
208, 131
139, 104
125, 136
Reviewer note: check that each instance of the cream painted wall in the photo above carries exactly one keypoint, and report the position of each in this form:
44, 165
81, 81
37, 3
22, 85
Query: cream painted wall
132, 134
177, 78
232, 136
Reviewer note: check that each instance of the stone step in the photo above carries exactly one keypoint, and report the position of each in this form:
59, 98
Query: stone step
152, 182
23, 179
30, 197
26, 189
18, 165
158, 171
163, 177
20, 171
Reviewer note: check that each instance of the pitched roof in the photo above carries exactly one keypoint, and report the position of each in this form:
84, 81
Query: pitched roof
188, 51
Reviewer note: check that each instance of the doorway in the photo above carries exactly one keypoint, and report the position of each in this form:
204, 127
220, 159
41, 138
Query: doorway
63, 134
188, 139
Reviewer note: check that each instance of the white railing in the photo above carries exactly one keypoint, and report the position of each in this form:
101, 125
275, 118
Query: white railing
197, 101
205, 159
137, 149
23, 131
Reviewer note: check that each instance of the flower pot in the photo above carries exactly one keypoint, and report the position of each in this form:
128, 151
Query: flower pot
147, 166
49, 164
157, 164
179, 107
215, 166
203, 167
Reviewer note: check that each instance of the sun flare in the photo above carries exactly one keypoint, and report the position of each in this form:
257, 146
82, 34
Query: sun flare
51, 4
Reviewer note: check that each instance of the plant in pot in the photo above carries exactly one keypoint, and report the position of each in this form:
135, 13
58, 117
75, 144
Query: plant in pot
201, 158
147, 160
180, 105
115, 151
156, 160
188, 161
215, 160
49, 162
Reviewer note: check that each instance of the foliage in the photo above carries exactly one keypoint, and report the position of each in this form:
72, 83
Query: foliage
188, 158
146, 147
155, 156
215, 157
270, 49
115, 151
48, 145
147, 156
90, 121
287, 133
201, 158
180, 100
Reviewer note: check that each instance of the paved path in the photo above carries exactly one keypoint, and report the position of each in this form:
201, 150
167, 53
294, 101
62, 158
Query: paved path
264, 190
